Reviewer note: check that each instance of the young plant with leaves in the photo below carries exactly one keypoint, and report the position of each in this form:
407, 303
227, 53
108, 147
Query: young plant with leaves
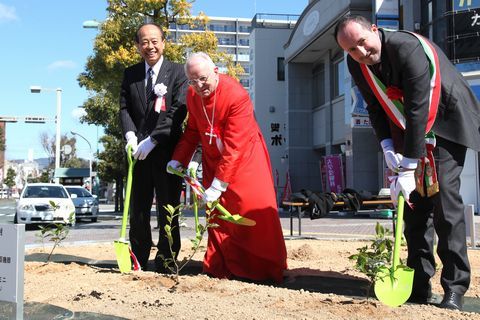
371, 259
172, 264
55, 232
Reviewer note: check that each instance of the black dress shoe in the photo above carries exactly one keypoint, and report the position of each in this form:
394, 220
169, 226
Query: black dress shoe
452, 300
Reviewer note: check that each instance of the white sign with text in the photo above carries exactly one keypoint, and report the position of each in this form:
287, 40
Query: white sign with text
12, 254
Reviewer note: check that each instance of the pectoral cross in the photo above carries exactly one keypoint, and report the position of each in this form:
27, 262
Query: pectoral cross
211, 134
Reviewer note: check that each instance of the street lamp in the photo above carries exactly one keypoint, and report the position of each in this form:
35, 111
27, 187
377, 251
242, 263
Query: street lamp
91, 24
39, 89
89, 159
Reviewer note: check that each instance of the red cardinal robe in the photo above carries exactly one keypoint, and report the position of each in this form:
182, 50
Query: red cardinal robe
239, 157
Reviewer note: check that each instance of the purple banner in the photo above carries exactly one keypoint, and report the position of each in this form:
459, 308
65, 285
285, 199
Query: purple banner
334, 173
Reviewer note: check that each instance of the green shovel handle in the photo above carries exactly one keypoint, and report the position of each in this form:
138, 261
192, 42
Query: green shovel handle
195, 208
398, 231
126, 205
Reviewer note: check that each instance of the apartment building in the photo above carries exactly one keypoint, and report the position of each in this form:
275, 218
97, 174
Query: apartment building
233, 38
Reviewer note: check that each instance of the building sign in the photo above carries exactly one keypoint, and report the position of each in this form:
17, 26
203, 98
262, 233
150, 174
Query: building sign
466, 36
465, 4
361, 122
386, 9
276, 138
359, 110
331, 169
386, 13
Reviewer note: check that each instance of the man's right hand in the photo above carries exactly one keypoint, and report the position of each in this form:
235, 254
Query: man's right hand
192, 168
174, 164
392, 158
131, 141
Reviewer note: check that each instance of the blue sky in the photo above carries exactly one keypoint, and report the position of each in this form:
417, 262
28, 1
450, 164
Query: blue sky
44, 44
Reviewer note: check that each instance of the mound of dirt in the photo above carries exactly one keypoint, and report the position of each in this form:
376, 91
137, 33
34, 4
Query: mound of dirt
320, 284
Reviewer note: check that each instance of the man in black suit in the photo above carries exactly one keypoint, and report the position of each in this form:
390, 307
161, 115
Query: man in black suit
152, 109
435, 98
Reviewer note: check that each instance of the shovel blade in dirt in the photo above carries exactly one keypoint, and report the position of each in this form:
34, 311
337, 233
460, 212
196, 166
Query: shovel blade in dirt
122, 252
394, 288
394, 285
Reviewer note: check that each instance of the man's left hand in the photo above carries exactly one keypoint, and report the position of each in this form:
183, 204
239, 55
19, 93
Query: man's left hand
212, 194
144, 148
215, 191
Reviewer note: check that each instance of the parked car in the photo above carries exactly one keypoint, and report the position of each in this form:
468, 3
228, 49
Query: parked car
86, 205
37, 202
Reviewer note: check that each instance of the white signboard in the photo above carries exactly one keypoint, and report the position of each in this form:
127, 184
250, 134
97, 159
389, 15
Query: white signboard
12, 254
386, 9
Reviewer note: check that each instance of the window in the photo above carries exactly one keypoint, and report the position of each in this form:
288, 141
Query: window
338, 78
245, 82
318, 74
280, 69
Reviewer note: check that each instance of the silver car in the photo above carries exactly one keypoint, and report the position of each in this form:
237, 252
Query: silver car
86, 205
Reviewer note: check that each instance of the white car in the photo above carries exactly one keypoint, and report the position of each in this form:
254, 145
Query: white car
38, 201
86, 205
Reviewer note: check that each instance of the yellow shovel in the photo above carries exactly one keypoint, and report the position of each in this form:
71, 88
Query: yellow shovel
394, 285
123, 252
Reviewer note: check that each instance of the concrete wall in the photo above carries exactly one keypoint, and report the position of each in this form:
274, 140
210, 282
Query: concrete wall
269, 96
303, 161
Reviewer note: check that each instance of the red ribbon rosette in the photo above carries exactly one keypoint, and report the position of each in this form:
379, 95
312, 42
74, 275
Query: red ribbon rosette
394, 93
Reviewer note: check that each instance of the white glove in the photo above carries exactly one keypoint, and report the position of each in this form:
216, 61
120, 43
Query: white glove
131, 141
404, 183
396, 161
144, 148
391, 158
176, 165
215, 191
192, 168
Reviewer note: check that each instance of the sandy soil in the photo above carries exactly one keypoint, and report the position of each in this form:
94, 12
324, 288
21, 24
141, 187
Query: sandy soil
320, 284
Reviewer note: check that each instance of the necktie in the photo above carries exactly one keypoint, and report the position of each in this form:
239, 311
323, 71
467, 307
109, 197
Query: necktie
148, 89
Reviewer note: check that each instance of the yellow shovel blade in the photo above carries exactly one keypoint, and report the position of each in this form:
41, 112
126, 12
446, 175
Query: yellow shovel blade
394, 288
123, 256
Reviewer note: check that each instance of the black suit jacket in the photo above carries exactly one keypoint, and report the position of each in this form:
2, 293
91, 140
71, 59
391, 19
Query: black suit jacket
166, 126
405, 65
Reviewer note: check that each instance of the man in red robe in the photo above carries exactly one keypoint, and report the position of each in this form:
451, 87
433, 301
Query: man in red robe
236, 171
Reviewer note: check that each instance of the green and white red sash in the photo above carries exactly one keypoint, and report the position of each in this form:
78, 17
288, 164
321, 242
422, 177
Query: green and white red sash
426, 182
391, 100
394, 106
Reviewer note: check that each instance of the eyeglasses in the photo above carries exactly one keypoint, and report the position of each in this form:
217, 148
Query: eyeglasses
201, 80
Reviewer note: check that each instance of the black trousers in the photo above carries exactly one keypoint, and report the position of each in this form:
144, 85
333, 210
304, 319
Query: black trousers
443, 213
151, 178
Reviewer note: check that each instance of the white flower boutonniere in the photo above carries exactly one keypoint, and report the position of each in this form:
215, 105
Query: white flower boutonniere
160, 89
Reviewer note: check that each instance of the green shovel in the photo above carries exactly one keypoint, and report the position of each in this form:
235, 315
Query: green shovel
394, 286
200, 190
122, 247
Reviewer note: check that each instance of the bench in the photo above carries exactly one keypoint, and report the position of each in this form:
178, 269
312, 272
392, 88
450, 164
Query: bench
298, 208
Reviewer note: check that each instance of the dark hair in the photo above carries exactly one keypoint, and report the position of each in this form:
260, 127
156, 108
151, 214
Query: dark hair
343, 21
137, 39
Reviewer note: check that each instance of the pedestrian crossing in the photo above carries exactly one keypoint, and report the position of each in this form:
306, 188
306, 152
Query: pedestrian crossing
7, 214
